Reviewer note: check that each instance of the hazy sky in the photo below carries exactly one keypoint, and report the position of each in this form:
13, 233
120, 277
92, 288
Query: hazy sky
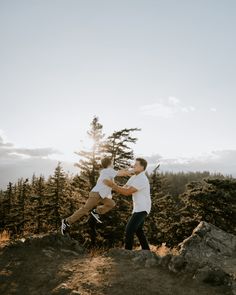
167, 67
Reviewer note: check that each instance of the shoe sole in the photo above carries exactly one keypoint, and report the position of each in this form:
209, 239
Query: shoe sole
98, 220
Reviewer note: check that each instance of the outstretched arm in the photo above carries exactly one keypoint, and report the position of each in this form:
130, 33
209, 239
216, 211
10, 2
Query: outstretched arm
126, 191
124, 172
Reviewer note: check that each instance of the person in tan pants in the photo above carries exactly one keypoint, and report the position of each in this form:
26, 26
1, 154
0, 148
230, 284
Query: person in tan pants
100, 196
94, 200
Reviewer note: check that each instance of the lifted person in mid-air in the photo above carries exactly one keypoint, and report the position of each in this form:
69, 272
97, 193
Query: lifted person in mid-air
100, 196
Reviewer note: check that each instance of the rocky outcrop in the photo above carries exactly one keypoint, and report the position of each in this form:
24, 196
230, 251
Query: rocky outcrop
46, 243
207, 245
204, 263
208, 255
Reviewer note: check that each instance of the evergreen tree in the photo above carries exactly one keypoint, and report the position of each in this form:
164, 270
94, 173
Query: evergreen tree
118, 147
56, 192
89, 164
39, 190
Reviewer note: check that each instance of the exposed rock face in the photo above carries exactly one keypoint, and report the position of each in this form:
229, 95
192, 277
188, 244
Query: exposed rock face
208, 245
209, 254
47, 243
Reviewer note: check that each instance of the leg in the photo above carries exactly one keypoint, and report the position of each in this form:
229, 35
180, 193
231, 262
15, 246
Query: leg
131, 228
142, 238
107, 205
92, 201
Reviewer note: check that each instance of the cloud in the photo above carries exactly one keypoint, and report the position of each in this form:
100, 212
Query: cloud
9, 151
166, 108
223, 161
2, 141
18, 162
212, 109
38, 152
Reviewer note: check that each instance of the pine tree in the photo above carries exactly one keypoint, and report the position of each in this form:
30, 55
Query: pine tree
89, 164
23, 195
39, 196
61, 198
117, 147
56, 191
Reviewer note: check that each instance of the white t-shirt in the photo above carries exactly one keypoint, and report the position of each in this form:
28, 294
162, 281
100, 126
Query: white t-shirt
141, 198
104, 190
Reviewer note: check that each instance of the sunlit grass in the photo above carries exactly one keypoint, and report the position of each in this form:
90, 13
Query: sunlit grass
163, 250
4, 236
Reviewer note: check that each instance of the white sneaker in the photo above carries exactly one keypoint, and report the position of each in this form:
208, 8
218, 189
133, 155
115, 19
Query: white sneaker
96, 216
64, 227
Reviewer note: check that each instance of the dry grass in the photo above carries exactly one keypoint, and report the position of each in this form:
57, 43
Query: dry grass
164, 250
4, 236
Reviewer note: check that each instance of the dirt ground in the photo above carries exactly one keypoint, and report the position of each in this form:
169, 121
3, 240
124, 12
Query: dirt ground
50, 266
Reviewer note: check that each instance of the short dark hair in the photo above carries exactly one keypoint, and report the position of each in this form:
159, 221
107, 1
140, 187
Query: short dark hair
106, 161
142, 162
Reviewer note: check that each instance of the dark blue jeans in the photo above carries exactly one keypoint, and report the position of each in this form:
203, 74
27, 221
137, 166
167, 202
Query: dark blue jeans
135, 226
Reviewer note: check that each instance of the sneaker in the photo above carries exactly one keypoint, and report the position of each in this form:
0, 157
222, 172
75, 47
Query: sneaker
96, 216
64, 227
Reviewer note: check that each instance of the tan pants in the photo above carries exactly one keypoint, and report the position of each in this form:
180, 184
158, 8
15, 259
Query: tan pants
93, 200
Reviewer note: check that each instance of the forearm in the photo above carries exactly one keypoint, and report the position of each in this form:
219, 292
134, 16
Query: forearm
123, 172
121, 190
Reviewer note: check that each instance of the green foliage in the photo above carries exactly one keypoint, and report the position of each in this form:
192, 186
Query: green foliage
37, 206
212, 200
177, 181
118, 147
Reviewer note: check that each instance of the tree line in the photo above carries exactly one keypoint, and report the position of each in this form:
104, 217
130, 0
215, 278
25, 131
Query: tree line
180, 200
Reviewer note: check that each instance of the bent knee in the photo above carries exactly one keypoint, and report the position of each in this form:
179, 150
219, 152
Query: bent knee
113, 203
85, 209
110, 204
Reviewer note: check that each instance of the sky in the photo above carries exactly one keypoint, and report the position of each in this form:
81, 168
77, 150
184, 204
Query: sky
167, 67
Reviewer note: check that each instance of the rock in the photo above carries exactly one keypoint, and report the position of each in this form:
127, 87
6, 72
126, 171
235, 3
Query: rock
78, 248
70, 252
49, 253
208, 254
207, 245
165, 260
177, 263
213, 277
138, 259
233, 286
50, 243
151, 262
114, 252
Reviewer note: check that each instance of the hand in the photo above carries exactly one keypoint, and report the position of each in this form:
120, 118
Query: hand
125, 172
108, 182
129, 172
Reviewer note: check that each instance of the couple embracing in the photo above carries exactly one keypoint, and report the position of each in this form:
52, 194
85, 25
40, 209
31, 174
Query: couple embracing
100, 199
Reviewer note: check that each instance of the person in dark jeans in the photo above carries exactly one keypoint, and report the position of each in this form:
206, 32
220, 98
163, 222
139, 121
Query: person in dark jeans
138, 186
135, 226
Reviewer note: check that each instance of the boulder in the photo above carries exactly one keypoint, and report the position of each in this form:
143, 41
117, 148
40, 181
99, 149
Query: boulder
209, 254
